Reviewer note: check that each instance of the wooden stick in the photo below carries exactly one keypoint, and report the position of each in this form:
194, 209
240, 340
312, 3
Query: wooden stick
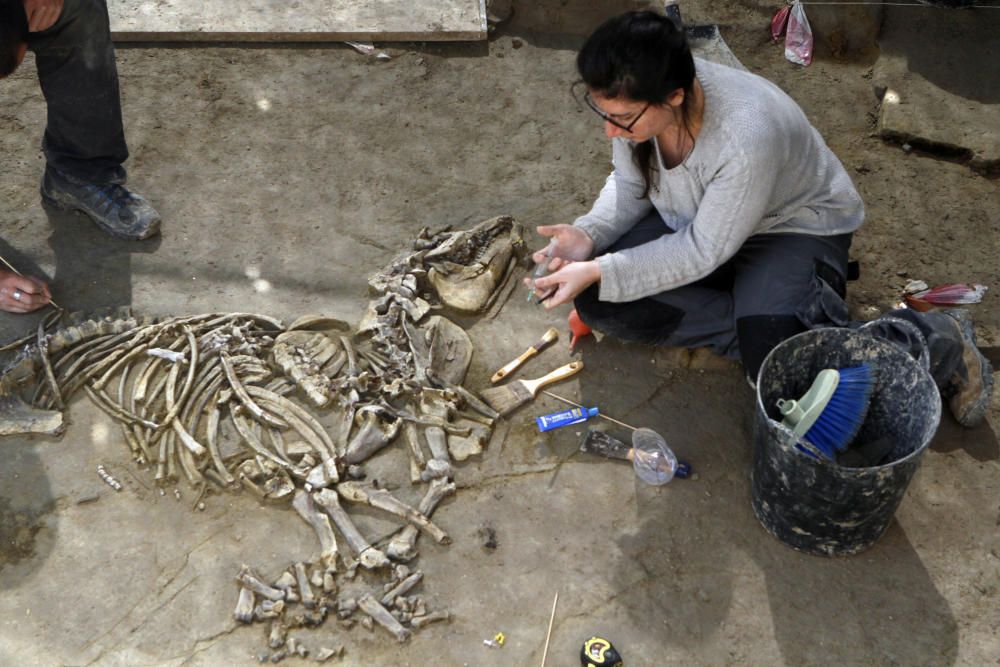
11, 267
599, 414
548, 634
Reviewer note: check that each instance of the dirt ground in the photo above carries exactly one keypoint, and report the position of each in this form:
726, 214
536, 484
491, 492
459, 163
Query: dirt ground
286, 175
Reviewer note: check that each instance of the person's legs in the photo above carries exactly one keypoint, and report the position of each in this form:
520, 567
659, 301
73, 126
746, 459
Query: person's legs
84, 137
784, 284
696, 315
963, 375
84, 140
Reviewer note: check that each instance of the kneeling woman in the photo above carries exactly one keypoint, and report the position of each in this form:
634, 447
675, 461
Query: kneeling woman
727, 220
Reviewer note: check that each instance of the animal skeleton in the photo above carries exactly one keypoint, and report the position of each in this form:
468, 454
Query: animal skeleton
173, 385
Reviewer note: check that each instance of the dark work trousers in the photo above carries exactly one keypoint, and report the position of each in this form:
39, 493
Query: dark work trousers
84, 137
777, 285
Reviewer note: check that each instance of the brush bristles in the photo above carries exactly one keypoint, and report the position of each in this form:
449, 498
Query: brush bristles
843, 416
507, 398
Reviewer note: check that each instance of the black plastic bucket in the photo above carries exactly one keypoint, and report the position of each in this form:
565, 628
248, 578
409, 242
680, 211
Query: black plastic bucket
818, 506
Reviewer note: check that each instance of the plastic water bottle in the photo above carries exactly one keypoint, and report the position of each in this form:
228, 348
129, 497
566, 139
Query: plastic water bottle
652, 459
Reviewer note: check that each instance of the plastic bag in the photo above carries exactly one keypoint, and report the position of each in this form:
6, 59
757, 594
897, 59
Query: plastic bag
779, 22
799, 37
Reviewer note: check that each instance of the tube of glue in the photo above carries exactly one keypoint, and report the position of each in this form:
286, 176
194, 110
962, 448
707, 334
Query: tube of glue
564, 418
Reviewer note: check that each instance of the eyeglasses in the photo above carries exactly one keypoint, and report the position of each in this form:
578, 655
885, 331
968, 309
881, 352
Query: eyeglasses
589, 101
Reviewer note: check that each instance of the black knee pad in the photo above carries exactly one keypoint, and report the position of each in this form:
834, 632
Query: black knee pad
642, 321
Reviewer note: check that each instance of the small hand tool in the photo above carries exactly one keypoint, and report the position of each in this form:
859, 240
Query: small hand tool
509, 397
548, 337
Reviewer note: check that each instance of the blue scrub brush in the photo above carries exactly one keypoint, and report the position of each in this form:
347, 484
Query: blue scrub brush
829, 415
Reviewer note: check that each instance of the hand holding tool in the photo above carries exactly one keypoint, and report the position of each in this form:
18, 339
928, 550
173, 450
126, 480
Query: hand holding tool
548, 337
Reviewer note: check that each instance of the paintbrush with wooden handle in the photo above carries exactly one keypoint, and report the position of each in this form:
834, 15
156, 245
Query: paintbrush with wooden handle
511, 396
549, 336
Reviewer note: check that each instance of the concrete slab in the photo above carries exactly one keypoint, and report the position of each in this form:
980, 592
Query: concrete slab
299, 21
285, 176
947, 99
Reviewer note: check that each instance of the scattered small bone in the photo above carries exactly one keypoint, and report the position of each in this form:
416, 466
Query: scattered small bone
420, 607
244, 606
325, 653
251, 581
261, 614
355, 472
177, 494
329, 582
108, 479
278, 656
488, 537
346, 606
316, 576
295, 647
402, 588
426, 619
286, 581
399, 572
201, 506
276, 638
368, 624
277, 606
305, 589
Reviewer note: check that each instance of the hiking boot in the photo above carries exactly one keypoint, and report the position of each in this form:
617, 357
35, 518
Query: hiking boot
118, 211
970, 388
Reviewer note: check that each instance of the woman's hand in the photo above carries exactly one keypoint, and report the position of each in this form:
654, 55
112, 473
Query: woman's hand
22, 294
42, 14
568, 282
567, 243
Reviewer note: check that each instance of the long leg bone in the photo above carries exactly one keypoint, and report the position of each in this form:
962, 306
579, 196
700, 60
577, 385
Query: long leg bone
402, 588
253, 582
421, 621
385, 501
381, 615
305, 588
401, 546
369, 557
304, 505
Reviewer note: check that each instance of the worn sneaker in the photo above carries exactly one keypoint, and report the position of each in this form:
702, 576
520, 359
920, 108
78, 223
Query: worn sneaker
971, 387
118, 211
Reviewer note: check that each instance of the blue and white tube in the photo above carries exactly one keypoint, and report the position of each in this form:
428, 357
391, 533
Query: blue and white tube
564, 418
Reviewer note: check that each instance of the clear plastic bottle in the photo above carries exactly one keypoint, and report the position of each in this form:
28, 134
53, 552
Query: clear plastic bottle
652, 459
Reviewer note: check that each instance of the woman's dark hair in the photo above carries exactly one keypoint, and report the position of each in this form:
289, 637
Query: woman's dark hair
13, 33
640, 56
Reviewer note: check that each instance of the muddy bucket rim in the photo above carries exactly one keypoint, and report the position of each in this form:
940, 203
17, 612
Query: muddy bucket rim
921, 362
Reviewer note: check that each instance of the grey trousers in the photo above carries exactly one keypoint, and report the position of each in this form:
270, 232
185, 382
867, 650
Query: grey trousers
777, 285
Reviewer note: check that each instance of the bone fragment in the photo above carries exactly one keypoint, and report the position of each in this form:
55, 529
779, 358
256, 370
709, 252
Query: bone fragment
305, 589
373, 436
402, 588
436, 469
251, 581
322, 475
276, 638
325, 653
381, 615
385, 501
421, 621
108, 479
244, 606
169, 355
401, 546
369, 557
304, 505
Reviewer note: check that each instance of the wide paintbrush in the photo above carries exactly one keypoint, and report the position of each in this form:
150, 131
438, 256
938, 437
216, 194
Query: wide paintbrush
549, 336
511, 396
